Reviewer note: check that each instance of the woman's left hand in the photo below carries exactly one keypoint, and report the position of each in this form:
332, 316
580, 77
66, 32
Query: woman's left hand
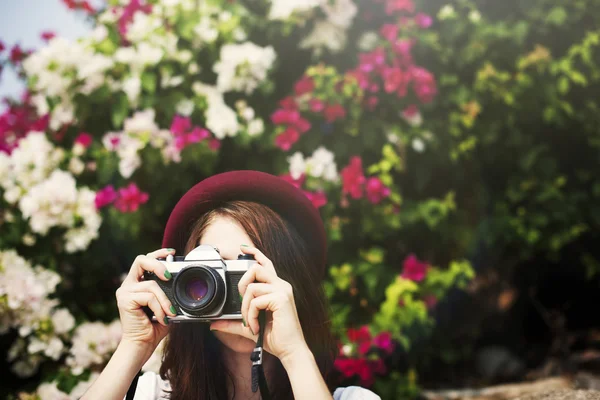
262, 289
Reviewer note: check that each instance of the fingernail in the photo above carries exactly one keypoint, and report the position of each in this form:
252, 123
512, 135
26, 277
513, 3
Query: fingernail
173, 310
244, 322
168, 275
245, 245
252, 331
241, 298
170, 250
166, 320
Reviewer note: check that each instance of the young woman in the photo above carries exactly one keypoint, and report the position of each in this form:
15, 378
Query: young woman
237, 212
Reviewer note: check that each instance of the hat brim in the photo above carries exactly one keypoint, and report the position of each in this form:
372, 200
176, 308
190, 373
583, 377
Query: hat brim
281, 196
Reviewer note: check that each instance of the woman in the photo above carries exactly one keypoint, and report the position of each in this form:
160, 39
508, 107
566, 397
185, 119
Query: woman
237, 212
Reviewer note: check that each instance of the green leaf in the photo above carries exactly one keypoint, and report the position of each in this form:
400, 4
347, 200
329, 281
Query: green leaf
120, 111
557, 16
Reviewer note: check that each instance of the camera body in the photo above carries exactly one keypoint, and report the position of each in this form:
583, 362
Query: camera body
204, 287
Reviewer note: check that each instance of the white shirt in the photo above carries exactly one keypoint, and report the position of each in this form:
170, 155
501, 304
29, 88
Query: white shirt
151, 387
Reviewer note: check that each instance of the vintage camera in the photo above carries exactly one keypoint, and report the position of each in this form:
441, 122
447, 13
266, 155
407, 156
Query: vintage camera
204, 287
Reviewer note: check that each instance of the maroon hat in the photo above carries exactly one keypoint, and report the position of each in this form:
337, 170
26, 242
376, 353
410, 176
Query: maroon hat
272, 191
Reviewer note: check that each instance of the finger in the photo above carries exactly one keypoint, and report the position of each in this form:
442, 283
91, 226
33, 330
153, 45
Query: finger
267, 302
254, 290
152, 287
146, 299
259, 257
256, 273
233, 327
161, 253
145, 263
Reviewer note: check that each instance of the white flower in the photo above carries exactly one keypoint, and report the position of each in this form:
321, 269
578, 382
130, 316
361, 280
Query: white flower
99, 33
206, 31
142, 26
256, 127
446, 12
62, 321
132, 87
221, 120
340, 13
141, 122
193, 68
368, 41
28, 239
41, 104
242, 67
418, 145
54, 348
76, 166
283, 9
297, 165
325, 35
63, 114
93, 344
185, 107
79, 390
49, 391
475, 16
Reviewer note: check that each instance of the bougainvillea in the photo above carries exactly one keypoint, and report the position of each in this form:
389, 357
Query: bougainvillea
370, 108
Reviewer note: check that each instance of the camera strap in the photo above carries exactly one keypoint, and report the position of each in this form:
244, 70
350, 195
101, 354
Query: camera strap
258, 374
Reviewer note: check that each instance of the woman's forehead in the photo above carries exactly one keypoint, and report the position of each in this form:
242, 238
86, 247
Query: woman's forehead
227, 235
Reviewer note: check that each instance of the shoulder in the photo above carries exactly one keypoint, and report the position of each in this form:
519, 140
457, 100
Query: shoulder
354, 393
150, 386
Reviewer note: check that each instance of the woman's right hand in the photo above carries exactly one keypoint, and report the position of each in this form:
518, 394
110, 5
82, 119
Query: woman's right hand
135, 293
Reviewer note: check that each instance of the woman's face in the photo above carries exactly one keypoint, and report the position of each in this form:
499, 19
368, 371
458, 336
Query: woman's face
227, 235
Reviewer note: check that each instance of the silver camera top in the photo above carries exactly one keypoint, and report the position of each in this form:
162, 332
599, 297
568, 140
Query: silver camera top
209, 256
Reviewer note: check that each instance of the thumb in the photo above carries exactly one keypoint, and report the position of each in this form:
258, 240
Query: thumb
233, 327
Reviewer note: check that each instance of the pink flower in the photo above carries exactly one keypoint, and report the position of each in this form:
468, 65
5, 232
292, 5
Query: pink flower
17, 54
389, 32
288, 103
384, 342
84, 139
413, 269
318, 199
214, 144
47, 36
105, 196
376, 190
395, 80
334, 112
296, 182
286, 140
372, 102
353, 178
182, 140
403, 48
412, 115
399, 5
180, 125
424, 84
2, 46
361, 337
316, 105
128, 13
361, 367
304, 85
130, 198
423, 20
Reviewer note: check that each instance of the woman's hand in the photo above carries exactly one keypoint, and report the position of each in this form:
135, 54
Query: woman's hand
134, 294
262, 289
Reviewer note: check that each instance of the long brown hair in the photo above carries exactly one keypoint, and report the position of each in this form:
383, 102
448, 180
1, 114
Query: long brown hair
192, 359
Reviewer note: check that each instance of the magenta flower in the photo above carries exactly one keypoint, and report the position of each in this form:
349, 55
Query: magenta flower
128, 13
17, 54
180, 125
384, 342
214, 144
334, 112
318, 199
105, 197
361, 367
395, 80
316, 105
430, 301
362, 338
423, 20
286, 140
2, 46
353, 178
84, 139
389, 32
376, 190
424, 84
413, 269
47, 36
399, 5
130, 198
296, 182
304, 85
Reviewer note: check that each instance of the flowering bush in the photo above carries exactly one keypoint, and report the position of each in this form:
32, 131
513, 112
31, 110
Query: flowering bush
384, 112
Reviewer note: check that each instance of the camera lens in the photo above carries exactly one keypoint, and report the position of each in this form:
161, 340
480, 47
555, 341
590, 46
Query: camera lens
198, 290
